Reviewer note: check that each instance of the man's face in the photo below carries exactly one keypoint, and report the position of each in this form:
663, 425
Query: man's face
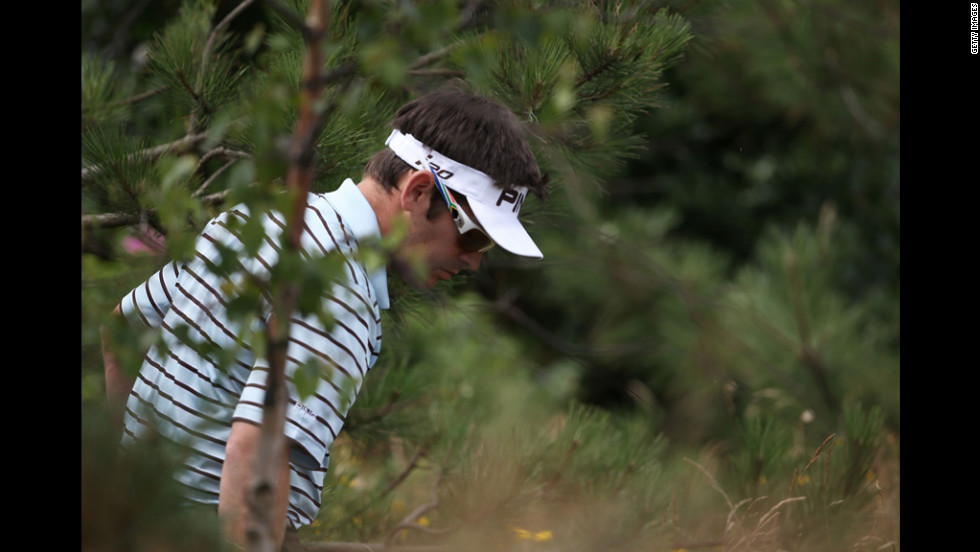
433, 244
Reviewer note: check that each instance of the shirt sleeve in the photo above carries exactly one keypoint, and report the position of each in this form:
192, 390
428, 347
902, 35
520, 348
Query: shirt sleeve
149, 302
336, 359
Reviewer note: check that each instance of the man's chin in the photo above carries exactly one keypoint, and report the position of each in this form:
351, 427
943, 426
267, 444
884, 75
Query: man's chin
418, 279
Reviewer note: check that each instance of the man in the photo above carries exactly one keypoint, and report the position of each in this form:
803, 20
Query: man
455, 173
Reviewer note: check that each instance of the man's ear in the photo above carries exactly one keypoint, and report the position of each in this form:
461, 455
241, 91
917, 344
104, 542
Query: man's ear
416, 189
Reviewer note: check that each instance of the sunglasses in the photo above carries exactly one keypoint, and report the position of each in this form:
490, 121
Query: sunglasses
472, 238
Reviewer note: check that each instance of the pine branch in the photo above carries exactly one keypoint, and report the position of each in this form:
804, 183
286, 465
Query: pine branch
207, 183
110, 220
808, 355
214, 36
221, 151
118, 220
197, 91
192, 120
131, 100
197, 96
179, 146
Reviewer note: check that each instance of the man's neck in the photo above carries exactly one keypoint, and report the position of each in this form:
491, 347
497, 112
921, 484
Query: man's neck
383, 202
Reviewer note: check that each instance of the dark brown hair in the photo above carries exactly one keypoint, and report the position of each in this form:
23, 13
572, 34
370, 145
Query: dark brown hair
468, 128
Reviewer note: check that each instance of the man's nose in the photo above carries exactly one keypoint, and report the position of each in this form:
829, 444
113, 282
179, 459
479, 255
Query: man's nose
472, 259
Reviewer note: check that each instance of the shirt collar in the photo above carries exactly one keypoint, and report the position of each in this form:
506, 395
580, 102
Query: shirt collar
362, 221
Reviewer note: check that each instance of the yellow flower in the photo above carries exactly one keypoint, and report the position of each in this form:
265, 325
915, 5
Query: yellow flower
423, 521
536, 536
762, 481
803, 479
542, 536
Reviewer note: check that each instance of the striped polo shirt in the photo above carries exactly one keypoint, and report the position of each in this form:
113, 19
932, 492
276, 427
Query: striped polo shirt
183, 392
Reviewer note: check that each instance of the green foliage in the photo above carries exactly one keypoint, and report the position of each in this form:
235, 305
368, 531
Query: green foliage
788, 318
779, 109
129, 502
763, 446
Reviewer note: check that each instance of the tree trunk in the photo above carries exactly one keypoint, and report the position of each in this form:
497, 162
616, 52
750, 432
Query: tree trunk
262, 525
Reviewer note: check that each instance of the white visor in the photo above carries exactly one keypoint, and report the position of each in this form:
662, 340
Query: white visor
495, 209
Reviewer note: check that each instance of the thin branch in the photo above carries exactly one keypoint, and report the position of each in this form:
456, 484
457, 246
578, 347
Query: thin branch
110, 220
235, 155
410, 520
190, 90
132, 99
430, 58
221, 151
183, 144
408, 470
299, 179
207, 183
215, 198
119, 220
192, 119
214, 36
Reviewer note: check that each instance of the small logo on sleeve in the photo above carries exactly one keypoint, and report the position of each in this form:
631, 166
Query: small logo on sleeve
305, 410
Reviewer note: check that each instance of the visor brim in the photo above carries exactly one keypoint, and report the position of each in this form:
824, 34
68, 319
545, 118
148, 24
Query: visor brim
505, 230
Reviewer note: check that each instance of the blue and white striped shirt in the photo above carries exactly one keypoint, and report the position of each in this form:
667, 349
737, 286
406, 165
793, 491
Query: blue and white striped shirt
184, 393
